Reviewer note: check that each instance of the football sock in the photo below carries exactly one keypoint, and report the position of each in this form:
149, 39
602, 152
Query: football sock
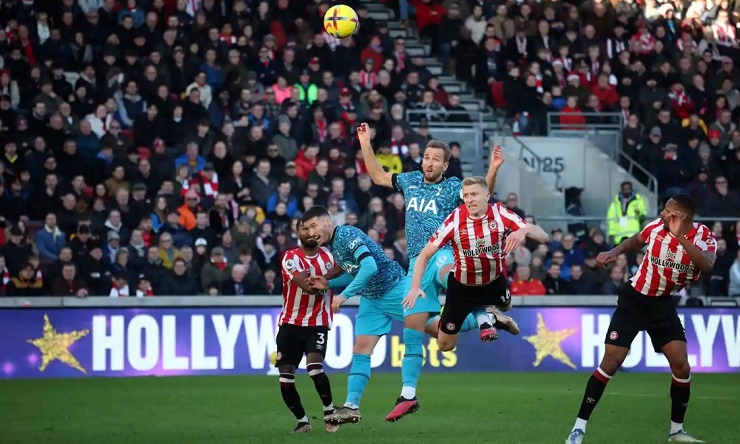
680, 393
482, 316
359, 376
321, 382
291, 397
470, 323
413, 359
594, 389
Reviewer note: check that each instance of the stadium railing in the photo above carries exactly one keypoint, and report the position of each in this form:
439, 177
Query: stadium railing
414, 116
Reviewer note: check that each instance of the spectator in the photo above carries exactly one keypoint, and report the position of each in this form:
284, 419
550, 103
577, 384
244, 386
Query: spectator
69, 284
50, 240
216, 270
235, 285
735, 277
554, 283
525, 284
626, 214
580, 283
615, 282
181, 281
25, 283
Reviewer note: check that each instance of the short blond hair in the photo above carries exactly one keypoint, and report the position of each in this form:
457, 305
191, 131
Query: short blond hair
475, 180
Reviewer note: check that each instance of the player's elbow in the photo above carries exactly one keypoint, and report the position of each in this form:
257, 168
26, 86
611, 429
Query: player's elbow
369, 266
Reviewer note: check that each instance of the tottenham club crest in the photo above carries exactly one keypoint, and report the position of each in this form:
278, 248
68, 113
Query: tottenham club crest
613, 335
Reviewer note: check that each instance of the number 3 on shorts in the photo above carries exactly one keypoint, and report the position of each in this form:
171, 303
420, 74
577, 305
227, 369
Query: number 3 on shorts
322, 339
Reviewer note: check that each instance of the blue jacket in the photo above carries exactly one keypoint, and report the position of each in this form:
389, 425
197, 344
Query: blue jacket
214, 77
200, 163
49, 245
273, 200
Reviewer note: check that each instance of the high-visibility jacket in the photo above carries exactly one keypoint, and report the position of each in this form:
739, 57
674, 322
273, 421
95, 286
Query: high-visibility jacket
624, 218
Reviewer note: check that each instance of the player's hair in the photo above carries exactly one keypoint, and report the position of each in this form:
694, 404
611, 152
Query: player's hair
686, 202
438, 144
475, 180
315, 211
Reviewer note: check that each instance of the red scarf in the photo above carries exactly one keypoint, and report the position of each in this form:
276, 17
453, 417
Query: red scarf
368, 79
321, 129
141, 293
220, 265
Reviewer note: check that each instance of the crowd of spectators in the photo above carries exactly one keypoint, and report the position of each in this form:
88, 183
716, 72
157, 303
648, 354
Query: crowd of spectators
167, 147
667, 67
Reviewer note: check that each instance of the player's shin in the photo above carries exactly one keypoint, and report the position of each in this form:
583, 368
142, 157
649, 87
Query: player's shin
413, 359
594, 390
291, 397
359, 376
322, 384
680, 393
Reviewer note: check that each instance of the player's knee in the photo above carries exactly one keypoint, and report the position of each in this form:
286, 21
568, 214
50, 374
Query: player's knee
315, 369
432, 329
287, 379
445, 343
681, 368
417, 321
613, 359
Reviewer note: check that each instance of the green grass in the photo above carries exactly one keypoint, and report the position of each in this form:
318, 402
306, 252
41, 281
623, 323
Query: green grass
457, 408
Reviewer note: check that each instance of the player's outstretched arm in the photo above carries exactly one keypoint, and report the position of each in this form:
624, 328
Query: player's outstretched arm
535, 232
421, 263
368, 269
302, 280
634, 243
374, 168
497, 159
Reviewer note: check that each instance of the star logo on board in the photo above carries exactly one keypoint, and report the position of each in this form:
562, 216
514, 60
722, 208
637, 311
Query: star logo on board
547, 343
55, 346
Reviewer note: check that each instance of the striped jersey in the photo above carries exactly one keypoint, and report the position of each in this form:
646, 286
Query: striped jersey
300, 308
666, 268
478, 244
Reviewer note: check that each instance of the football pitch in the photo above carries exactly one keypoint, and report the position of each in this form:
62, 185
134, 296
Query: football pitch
456, 408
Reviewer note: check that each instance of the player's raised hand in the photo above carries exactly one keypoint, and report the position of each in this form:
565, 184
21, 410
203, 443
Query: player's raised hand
513, 241
605, 257
497, 156
410, 300
318, 283
675, 225
363, 133
337, 302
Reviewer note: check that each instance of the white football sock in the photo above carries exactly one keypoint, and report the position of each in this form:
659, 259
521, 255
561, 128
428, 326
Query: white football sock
408, 392
351, 406
580, 424
676, 427
304, 419
484, 318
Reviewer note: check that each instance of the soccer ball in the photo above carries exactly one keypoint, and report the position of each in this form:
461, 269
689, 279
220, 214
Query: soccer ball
341, 21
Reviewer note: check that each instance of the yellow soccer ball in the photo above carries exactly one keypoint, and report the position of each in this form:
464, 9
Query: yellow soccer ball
341, 21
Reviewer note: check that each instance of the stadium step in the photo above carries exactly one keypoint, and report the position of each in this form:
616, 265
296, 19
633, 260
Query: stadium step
383, 15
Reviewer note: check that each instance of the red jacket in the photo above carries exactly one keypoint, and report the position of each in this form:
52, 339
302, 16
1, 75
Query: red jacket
377, 57
572, 119
304, 165
428, 13
607, 96
532, 287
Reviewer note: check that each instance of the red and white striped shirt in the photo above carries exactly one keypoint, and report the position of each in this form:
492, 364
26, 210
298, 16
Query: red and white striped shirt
477, 244
299, 308
666, 267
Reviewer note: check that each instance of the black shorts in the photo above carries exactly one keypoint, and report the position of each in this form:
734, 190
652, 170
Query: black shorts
636, 312
463, 299
294, 341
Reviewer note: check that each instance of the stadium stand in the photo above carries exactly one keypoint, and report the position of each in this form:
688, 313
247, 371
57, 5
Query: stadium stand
167, 147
